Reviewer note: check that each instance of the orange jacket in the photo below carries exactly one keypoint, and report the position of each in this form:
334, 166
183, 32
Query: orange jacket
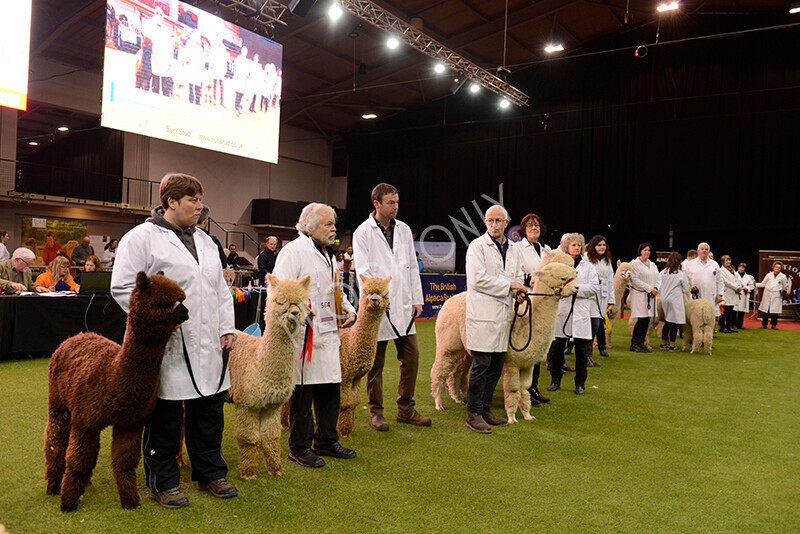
44, 280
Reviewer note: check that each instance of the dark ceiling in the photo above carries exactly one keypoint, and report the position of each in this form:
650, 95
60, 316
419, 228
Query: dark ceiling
334, 72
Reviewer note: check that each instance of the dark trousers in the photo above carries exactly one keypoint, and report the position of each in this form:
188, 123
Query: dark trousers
773, 317
739, 319
408, 356
325, 399
483, 376
218, 91
195, 93
162, 84
162, 441
536, 372
601, 336
669, 332
556, 357
727, 317
640, 331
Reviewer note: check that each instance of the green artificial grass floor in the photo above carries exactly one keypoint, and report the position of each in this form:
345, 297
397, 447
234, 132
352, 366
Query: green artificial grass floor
661, 442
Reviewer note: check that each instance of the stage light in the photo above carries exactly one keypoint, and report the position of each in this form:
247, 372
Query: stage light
474, 88
504, 103
458, 82
554, 48
335, 11
392, 43
794, 7
439, 68
369, 116
33, 143
667, 6
63, 128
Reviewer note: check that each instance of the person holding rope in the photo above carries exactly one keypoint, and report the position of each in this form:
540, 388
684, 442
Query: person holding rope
644, 288
384, 246
194, 378
599, 254
705, 277
574, 316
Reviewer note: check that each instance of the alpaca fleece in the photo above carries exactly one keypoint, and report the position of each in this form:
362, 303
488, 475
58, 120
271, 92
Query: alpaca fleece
262, 375
95, 383
699, 327
622, 277
358, 346
554, 281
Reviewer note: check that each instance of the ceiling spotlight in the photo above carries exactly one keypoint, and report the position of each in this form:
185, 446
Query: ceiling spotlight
33, 143
439, 68
474, 88
369, 116
392, 43
554, 48
667, 6
504, 103
794, 7
335, 11
63, 128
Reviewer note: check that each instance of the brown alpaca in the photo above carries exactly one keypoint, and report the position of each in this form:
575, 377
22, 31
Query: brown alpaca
358, 346
262, 375
95, 383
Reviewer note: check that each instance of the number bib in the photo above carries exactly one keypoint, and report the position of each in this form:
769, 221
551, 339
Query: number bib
325, 315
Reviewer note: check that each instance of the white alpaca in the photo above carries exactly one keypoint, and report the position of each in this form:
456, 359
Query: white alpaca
554, 281
699, 327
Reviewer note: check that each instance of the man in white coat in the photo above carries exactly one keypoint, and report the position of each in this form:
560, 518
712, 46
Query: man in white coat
705, 277
494, 275
193, 373
317, 371
384, 246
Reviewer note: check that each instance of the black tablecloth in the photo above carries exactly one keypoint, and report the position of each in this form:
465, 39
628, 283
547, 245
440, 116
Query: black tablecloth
37, 325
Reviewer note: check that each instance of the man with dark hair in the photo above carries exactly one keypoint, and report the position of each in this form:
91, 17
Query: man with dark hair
384, 247
266, 260
233, 257
51, 248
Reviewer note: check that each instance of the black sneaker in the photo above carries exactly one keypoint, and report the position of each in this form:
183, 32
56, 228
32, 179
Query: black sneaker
664, 346
335, 451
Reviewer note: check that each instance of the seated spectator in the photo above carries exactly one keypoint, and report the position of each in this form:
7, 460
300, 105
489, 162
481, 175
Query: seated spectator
233, 257
15, 274
51, 248
4, 254
57, 272
91, 265
110, 254
82, 251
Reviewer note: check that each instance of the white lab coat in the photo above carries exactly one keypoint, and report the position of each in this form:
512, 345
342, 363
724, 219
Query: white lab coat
706, 277
606, 295
163, 54
771, 298
527, 255
671, 287
151, 248
644, 278
489, 297
749, 284
574, 313
4, 254
296, 260
729, 286
376, 259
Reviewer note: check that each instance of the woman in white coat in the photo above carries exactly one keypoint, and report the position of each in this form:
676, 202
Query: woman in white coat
317, 372
599, 255
193, 375
644, 288
574, 317
748, 285
530, 252
672, 284
774, 284
731, 289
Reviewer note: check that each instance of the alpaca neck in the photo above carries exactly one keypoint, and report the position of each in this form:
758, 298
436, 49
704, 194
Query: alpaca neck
368, 322
141, 355
544, 306
278, 347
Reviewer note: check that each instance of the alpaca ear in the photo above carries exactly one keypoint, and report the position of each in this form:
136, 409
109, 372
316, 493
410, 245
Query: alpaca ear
272, 280
537, 274
142, 281
619, 262
387, 279
361, 278
306, 281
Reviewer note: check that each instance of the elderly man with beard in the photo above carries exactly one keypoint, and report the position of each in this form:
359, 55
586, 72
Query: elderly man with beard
494, 275
316, 370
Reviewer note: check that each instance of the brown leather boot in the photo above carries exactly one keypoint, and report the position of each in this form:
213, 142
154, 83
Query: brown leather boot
413, 417
377, 422
591, 363
475, 422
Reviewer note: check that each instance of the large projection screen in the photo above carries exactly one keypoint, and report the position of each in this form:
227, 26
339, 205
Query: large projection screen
175, 72
15, 38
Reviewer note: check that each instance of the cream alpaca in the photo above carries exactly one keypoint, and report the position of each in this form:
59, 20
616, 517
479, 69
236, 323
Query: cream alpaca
262, 375
622, 277
699, 327
358, 346
452, 362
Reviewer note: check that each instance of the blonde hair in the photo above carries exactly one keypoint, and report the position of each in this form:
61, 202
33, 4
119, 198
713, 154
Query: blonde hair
56, 264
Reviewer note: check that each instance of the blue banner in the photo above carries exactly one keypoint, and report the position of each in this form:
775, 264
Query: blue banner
437, 288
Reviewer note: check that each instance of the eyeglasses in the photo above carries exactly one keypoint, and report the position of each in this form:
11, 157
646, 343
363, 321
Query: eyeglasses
495, 221
27, 264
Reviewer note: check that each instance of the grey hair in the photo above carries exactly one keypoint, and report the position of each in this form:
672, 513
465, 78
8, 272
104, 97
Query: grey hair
311, 217
24, 254
566, 239
505, 212
272, 237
